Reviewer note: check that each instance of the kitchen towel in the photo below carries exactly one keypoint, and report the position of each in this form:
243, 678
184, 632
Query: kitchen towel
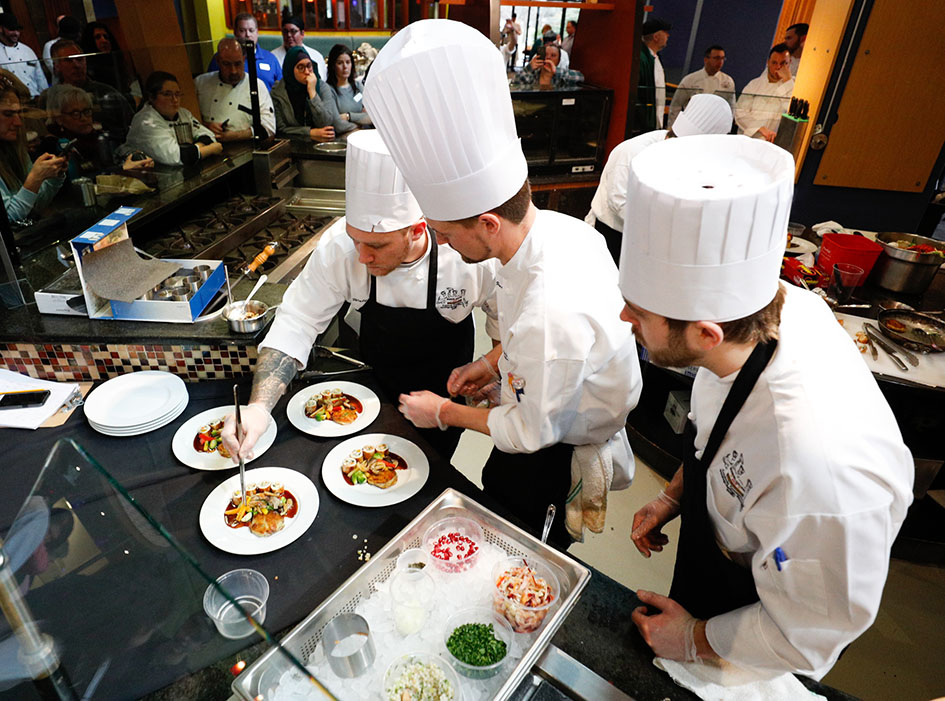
723, 681
592, 471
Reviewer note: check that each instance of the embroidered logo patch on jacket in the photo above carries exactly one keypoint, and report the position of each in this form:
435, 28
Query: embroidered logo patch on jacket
451, 298
732, 473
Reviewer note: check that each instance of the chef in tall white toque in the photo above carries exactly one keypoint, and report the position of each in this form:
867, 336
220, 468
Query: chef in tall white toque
799, 479
438, 93
415, 298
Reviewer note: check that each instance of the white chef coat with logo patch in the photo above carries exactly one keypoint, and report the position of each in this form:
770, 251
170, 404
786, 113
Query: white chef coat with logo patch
221, 102
333, 275
813, 464
569, 366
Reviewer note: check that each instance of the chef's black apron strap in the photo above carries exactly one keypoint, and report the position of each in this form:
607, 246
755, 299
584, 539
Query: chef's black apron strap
416, 349
705, 581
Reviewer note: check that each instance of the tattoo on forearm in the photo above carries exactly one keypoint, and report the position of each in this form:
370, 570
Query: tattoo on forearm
274, 372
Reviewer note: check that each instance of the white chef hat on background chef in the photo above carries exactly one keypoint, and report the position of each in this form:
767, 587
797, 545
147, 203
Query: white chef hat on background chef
439, 95
705, 226
705, 114
376, 195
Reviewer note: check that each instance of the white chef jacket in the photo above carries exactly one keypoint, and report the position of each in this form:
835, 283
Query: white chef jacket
22, 62
569, 366
317, 59
221, 101
611, 196
699, 82
333, 276
761, 104
794, 64
813, 464
154, 135
659, 81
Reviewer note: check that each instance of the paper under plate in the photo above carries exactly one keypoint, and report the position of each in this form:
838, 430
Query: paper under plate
143, 428
239, 541
295, 410
183, 443
409, 481
134, 399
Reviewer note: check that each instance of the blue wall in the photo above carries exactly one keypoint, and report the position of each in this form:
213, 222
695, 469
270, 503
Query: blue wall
744, 27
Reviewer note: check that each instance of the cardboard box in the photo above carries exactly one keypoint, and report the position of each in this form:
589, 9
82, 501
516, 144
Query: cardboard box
110, 231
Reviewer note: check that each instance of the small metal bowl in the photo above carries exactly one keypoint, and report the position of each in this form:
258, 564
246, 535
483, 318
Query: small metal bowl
235, 313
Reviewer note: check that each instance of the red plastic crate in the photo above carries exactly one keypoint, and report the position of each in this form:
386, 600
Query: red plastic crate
848, 248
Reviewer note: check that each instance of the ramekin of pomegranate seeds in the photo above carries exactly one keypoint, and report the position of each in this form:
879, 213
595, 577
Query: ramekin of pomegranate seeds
453, 544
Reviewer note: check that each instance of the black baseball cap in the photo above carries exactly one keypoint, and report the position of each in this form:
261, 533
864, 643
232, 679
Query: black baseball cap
654, 25
9, 21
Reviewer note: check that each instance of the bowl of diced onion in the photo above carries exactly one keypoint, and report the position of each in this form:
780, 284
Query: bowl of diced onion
453, 543
477, 641
525, 589
421, 675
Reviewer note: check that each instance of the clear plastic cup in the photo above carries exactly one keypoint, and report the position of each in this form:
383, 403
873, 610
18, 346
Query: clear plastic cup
412, 593
248, 587
507, 597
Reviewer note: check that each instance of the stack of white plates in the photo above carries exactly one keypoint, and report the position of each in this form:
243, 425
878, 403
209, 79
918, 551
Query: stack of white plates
136, 403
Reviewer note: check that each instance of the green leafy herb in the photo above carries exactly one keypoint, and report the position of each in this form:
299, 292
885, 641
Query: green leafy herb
476, 645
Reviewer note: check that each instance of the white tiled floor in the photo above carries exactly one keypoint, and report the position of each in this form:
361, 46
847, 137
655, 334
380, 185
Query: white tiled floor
902, 656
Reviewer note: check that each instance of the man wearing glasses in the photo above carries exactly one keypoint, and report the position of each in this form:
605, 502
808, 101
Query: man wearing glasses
268, 68
225, 105
293, 34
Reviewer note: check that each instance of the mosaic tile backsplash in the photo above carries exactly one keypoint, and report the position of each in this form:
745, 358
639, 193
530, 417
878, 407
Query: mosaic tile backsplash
74, 362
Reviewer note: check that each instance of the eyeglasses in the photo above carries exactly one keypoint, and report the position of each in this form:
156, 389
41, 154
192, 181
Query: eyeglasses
171, 95
10, 114
306, 67
78, 114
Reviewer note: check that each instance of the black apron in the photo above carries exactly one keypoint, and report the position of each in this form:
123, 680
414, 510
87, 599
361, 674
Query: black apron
706, 582
613, 239
415, 349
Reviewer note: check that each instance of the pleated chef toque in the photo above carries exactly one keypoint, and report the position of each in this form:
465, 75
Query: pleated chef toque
705, 226
704, 114
376, 195
438, 94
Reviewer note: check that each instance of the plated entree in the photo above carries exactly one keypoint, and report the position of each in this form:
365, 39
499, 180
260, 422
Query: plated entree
374, 465
333, 405
265, 509
208, 439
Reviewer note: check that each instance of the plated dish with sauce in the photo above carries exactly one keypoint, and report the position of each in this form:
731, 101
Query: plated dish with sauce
332, 409
197, 442
375, 469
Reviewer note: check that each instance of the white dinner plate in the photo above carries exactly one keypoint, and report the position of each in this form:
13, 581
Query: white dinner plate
329, 429
135, 399
409, 481
799, 247
142, 428
240, 541
183, 443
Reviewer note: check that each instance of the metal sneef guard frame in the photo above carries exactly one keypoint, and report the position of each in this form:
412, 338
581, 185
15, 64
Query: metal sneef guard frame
303, 639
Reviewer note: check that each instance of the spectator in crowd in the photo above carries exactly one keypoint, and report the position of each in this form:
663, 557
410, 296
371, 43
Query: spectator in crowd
651, 87
111, 108
705, 114
304, 103
267, 66
67, 27
709, 79
164, 130
551, 39
225, 105
543, 71
758, 110
24, 184
346, 90
18, 58
568, 41
795, 37
508, 42
293, 34
70, 119
108, 64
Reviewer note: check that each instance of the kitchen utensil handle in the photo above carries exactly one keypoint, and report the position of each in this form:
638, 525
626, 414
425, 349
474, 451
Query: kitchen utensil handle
239, 432
871, 333
911, 357
549, 519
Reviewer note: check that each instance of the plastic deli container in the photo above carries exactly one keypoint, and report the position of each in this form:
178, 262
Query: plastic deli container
848, 248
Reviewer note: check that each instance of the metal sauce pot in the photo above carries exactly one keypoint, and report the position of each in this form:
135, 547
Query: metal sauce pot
236, 313
900, 270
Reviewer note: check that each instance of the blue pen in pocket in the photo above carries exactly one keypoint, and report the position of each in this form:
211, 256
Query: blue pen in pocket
779, 557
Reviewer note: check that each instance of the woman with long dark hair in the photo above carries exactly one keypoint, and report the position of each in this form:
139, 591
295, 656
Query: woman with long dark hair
303, 102
24, 184
346, 89
107, 62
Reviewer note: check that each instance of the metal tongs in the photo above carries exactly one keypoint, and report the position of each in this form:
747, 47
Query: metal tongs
239, 432
891, 351
333, 352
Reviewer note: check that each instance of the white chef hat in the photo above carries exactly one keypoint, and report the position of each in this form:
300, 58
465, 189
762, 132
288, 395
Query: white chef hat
705, 114
705, 226
439, 95
376, 195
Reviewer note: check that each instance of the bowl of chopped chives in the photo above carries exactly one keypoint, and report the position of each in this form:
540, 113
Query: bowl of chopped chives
478, 642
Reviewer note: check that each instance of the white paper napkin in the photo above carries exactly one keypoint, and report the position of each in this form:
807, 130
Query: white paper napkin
723, 681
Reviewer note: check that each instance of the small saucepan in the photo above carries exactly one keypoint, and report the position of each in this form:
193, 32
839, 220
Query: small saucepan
247, 317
